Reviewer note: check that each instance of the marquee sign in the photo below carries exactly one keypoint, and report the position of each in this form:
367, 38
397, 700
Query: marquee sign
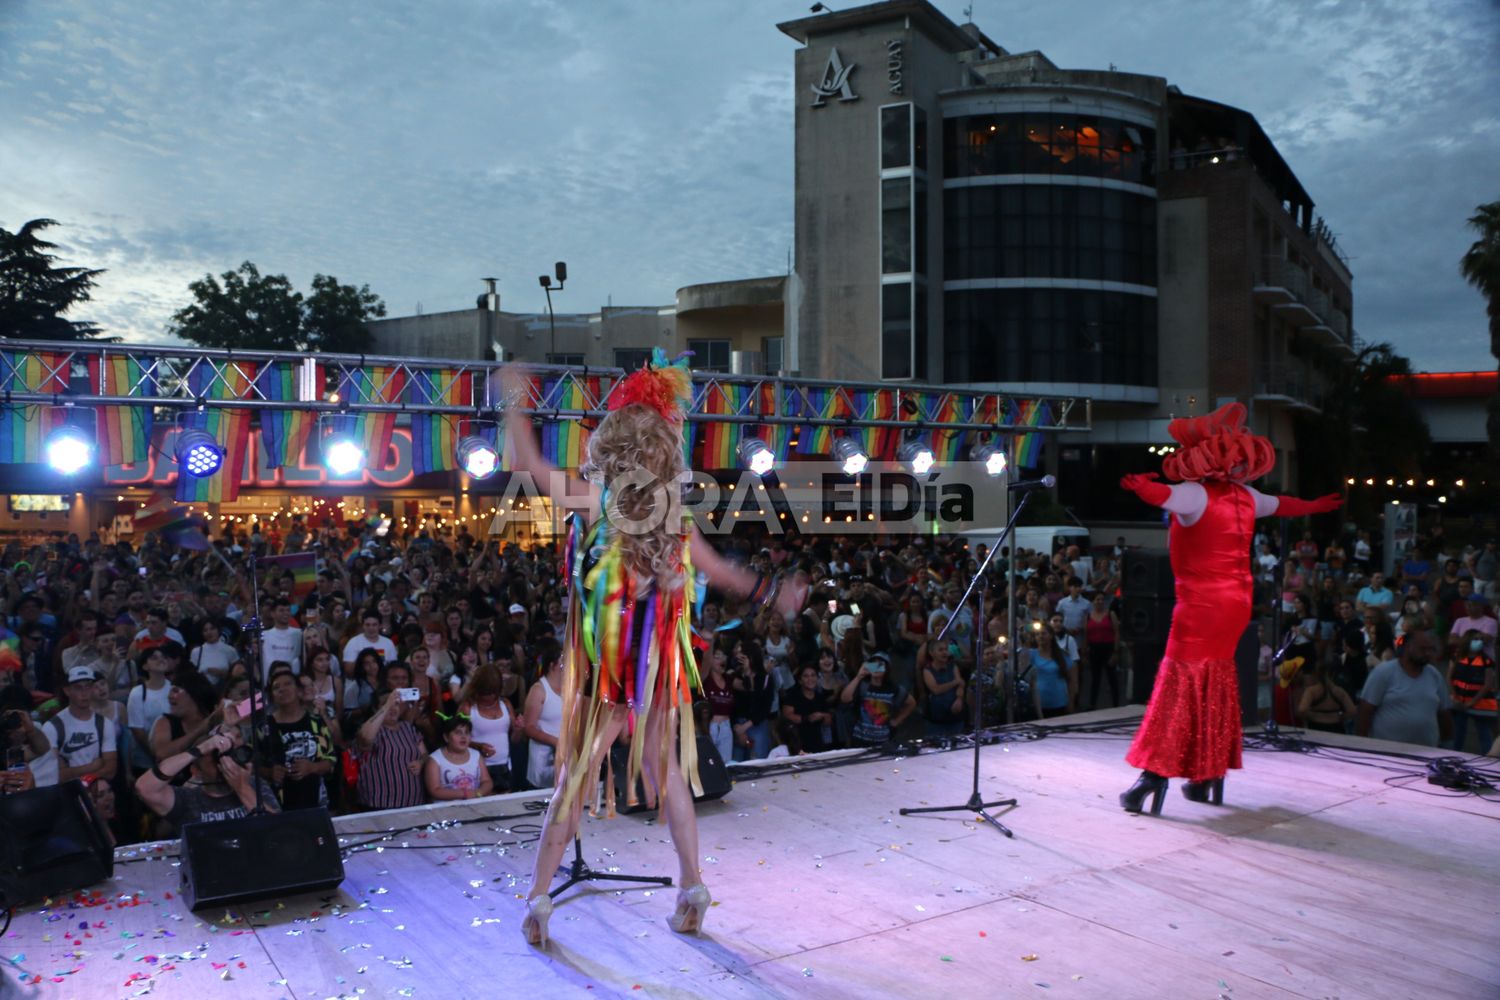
160, 468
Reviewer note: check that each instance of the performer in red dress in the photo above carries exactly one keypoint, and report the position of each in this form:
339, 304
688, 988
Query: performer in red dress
1192, 724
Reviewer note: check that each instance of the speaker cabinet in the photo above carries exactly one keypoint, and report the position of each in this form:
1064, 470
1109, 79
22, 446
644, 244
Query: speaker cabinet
276, 854
1146, 573
711, 773
51, 843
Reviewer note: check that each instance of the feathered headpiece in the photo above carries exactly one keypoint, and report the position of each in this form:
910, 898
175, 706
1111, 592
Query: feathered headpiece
665, 386
1218, 446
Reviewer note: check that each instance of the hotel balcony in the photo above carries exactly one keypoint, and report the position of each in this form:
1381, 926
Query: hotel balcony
1289, 289
1289, 385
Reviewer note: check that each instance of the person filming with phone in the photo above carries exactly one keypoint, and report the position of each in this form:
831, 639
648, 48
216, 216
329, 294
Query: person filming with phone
881, 706
391, 748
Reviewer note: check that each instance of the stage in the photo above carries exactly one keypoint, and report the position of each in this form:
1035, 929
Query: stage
1316, 879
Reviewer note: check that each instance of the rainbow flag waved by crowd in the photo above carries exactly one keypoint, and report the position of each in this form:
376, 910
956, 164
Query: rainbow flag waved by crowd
173, 521
304, 569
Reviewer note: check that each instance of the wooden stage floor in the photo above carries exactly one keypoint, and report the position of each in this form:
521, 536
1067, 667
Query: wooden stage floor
1317, 879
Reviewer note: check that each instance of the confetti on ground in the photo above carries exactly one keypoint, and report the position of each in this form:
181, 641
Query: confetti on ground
1029, 958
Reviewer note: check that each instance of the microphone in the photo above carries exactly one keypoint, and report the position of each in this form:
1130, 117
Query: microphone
1045, 483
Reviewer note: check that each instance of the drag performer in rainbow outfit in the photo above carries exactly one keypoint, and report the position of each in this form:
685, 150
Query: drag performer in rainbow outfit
632, 556
1192, 724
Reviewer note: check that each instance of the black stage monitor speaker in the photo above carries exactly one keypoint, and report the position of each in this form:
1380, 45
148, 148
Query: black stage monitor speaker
711, 772
51, 843
277, 854
1146, 573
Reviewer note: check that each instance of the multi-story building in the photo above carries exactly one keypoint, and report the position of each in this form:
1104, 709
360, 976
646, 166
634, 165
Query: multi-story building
970, 216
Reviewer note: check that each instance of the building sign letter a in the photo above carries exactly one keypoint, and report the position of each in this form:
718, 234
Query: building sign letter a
835, 81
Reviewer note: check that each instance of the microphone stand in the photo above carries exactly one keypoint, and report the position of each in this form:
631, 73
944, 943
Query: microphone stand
257, 706
976, 803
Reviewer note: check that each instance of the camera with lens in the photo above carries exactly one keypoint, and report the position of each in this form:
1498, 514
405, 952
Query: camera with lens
241, 755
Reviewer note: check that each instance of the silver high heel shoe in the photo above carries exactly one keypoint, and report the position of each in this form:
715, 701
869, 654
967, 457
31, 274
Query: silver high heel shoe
534, 924
692, 904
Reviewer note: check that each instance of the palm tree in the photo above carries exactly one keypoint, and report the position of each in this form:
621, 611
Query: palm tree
34, 292
1481, 268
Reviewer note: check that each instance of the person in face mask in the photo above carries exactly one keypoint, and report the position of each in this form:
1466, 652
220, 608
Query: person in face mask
1471, 684
1406, 699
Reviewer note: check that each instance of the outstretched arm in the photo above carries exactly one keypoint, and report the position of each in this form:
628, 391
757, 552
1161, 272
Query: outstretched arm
741, 582
1297, 507
1186, 500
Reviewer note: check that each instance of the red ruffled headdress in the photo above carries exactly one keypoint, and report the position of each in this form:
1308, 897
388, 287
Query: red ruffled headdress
665, 386
1218, 446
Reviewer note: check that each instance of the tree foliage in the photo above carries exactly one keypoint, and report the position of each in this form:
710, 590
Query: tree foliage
1480, 267
246, 310
35, 292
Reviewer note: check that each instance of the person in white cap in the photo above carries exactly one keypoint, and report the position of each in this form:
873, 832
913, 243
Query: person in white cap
85, 740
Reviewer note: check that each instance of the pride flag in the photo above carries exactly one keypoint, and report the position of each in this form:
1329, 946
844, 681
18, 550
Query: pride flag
284, 433
830, 405
435, 436
880, 442
721, 439
24, 428
371, 384
1029, 446
160, 513
565, 439
123, 432
231, 428
947, 443
304, 569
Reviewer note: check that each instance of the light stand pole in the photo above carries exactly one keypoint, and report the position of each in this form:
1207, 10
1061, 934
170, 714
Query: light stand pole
561, 270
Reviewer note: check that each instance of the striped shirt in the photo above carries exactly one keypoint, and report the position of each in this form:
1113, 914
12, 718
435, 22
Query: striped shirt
385, 781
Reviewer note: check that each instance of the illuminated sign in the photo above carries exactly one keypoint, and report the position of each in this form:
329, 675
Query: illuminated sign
31, 503
161, 468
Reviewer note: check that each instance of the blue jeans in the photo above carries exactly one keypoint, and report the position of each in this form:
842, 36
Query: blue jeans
760, 742
721, 732
1484, 726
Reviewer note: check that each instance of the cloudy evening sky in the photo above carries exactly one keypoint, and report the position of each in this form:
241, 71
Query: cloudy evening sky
419, 147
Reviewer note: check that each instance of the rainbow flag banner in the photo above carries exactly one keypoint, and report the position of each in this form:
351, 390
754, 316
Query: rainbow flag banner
231, 428
721, 439
880, 442
123, 432
947, 445
304, 569
830, 405
284, 433
24, 429
371, 384
162, 514
564, 438
435, 436
1029, 446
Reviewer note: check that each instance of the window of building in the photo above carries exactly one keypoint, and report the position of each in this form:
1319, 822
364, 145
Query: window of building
1049, 231
710, 355
771, 353
895, 225
1048, 143
1049, 335
895, 136
631, 358
896, 331
576, 360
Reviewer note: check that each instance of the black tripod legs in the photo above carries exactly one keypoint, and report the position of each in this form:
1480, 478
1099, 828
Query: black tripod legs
579, 871
975, 805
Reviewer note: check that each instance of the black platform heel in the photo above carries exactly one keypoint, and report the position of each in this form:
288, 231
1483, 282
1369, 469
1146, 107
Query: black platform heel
1210, 791
1149, 783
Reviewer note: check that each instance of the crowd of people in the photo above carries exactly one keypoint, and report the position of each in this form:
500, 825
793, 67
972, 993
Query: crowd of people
429, 667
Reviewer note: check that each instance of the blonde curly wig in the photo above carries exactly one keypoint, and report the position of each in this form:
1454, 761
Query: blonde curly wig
636, 455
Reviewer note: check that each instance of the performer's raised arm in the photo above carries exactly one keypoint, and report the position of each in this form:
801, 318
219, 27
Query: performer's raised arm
1297, 507
525, 456
1186, 500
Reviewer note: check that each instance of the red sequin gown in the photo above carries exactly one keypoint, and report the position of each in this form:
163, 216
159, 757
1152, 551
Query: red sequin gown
1192, 724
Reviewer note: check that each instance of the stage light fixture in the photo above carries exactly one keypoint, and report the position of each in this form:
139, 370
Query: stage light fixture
848, 453
992, 455
917, 455
477, 457
198, 454
68, 450
756, 456
343, 455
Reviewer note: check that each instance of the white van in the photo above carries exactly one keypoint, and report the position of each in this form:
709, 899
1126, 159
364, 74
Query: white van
1045, 539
